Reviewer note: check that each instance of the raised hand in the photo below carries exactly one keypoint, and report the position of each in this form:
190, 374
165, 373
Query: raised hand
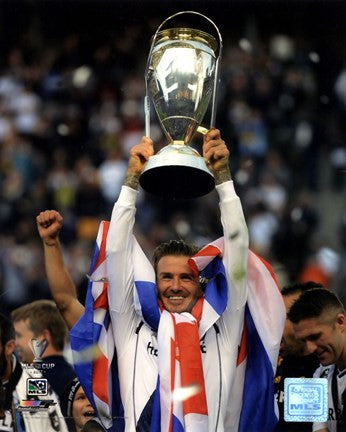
216, 154
139, 156
49, 224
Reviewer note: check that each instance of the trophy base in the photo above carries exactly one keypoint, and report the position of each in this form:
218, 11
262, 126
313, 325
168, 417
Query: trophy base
177, 175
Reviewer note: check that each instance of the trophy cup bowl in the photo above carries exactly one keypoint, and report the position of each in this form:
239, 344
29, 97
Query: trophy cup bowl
181, 80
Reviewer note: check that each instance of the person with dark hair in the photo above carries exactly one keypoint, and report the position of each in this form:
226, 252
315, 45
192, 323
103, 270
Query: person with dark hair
150, 306
319, 321
42, 321
13, 384
290, 345
293, 361
175, 248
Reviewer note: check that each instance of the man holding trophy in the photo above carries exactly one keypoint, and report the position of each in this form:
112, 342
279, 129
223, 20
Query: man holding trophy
191, 343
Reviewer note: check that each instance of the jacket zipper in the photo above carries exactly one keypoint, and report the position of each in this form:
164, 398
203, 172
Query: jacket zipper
134, 372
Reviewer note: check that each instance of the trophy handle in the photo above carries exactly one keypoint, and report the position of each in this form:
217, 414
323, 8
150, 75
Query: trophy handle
216, 81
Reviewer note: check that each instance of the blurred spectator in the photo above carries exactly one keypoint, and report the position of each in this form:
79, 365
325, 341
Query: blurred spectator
292, 243
13, 384
112, 173
262, 226
322, 267
41, 321
340, 87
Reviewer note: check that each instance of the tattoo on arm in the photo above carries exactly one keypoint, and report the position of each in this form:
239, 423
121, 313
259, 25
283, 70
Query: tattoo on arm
132, 181
222, 176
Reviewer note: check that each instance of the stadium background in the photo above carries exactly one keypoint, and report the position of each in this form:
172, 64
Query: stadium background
71, 92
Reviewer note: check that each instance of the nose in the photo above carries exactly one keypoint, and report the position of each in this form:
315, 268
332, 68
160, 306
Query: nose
175, 283
310, 347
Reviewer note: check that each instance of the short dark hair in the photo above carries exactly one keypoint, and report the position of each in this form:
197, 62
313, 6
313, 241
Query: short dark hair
43, 315
313, 303
173, 247
299, 287
6, 329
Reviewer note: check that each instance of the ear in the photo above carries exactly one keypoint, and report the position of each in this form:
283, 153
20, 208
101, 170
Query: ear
340, 321
46, 335
9, 347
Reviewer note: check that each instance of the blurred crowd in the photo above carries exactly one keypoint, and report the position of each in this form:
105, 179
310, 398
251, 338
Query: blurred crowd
70, 111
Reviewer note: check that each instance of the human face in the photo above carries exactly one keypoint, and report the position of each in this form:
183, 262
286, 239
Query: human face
177, 286
82, 411
323, 338
290, 345
23, 338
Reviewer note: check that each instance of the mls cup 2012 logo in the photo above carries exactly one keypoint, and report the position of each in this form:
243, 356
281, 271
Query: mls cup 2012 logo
38, 347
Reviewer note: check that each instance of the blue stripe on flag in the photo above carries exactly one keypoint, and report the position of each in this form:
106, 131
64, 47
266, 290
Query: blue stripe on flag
148, 300
95, 256
81, 337
216, 293
155, 425
257, 413
176, 425
96, 332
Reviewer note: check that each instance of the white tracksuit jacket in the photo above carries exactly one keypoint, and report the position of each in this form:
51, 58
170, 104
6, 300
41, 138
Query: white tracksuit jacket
137, 346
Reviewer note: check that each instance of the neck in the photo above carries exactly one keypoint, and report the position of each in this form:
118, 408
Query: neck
50, 351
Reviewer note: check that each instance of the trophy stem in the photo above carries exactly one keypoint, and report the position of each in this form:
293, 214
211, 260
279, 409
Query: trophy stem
147, 115
214, 100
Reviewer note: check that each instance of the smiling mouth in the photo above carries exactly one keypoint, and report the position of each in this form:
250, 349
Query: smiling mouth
89, 414
176, 298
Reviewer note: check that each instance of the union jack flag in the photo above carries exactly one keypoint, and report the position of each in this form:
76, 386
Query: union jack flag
264, 319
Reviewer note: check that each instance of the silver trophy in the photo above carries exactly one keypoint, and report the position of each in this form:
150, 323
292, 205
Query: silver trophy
181, 80
38, 347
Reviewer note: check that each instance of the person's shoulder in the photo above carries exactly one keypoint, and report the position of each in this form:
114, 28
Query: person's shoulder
59, 366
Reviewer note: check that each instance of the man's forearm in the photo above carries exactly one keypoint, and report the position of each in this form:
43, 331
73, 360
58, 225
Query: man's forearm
132, 181
59, 279
61, 285
222, 176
